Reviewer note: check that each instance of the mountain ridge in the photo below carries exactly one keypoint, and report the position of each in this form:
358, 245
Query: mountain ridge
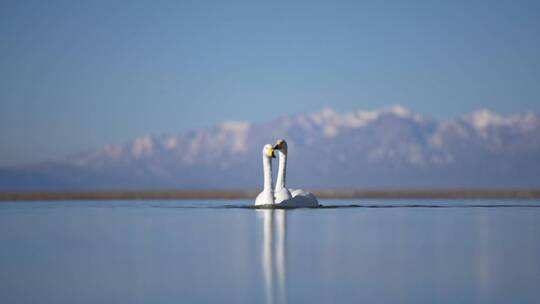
392, 147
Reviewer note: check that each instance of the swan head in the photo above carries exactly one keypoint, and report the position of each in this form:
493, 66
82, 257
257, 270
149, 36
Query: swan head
281, 145
268, 151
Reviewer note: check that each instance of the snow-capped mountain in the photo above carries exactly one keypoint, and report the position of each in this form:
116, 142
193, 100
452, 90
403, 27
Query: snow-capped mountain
390, 147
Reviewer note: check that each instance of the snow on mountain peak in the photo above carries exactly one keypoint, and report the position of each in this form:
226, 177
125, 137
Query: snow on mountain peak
171, 142
142, 146
239, 131
484, 118
325, 115
402, 112
235, 126
331, 122
328, 119
397, 110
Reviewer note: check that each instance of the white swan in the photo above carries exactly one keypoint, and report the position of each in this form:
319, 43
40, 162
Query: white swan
266, 197
289, 197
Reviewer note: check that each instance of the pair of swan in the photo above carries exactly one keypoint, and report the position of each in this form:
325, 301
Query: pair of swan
281, 196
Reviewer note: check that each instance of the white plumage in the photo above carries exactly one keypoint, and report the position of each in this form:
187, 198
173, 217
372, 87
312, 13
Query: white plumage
266, 197
288, 197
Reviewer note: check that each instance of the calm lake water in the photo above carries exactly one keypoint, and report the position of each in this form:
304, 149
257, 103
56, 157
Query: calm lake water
213, 252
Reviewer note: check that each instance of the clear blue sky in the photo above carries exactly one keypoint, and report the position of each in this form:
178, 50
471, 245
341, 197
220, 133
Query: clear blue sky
79, 74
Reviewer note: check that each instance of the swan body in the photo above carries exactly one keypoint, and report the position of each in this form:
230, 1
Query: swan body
301, 199
266, 197
287, 197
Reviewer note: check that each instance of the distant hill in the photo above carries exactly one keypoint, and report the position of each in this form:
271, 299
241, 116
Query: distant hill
388, 148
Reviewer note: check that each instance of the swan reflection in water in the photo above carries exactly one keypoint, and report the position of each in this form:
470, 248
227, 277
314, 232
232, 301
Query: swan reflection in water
274, 255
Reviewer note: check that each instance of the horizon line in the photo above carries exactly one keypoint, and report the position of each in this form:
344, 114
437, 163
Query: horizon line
197, 194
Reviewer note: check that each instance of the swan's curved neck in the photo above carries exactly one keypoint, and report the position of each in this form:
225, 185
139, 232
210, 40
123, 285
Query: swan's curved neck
282, 171
267, 168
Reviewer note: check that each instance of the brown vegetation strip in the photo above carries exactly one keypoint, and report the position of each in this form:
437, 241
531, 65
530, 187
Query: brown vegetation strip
241, 194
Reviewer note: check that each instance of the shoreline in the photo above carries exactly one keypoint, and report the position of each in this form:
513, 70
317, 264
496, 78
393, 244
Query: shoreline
251, 194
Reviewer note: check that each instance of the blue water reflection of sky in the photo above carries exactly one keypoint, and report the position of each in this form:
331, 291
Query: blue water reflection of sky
88, 252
